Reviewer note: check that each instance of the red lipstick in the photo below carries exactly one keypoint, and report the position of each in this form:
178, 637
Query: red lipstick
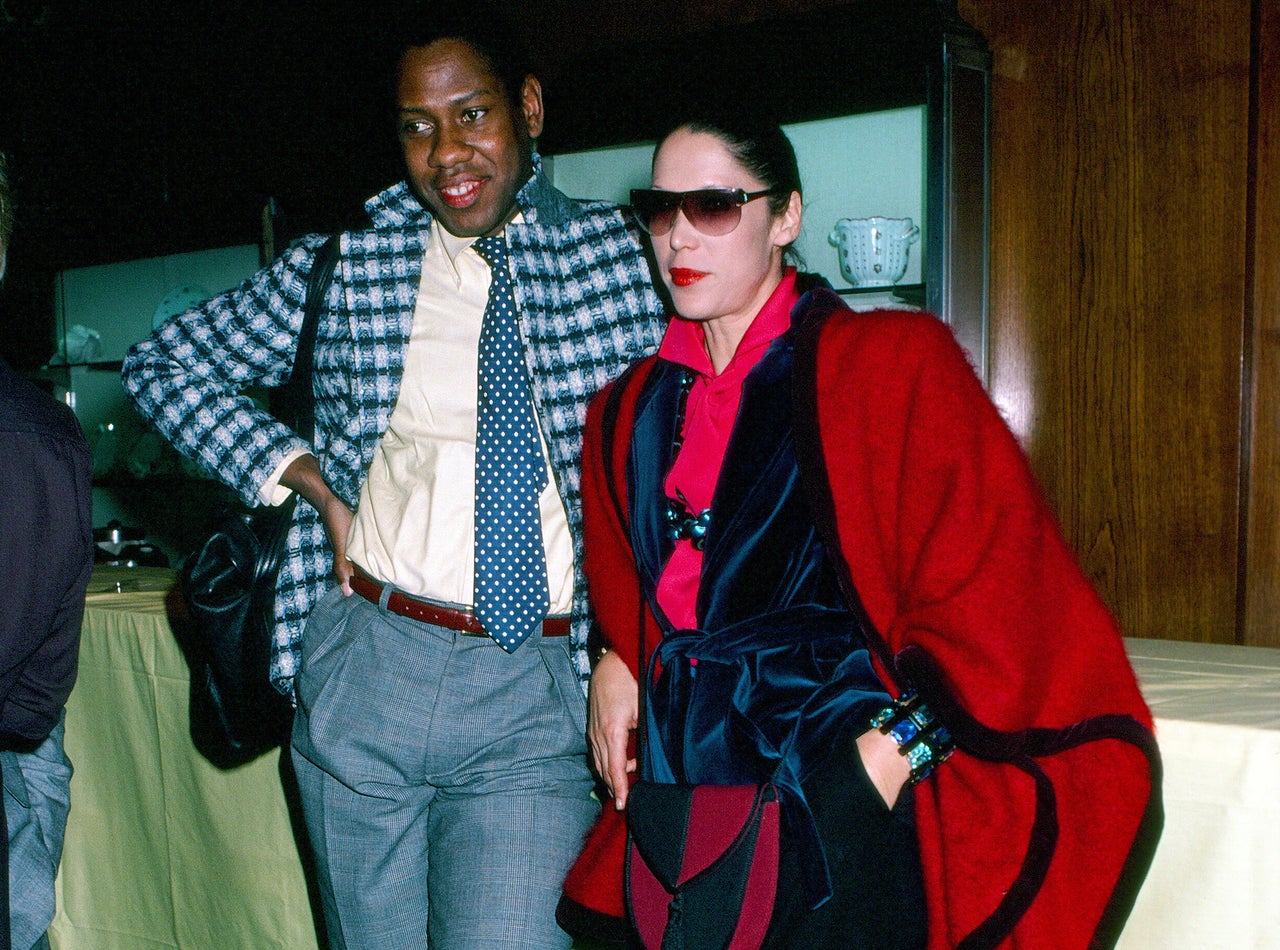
685, 277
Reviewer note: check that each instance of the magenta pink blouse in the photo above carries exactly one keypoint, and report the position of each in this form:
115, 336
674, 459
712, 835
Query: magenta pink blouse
710, 413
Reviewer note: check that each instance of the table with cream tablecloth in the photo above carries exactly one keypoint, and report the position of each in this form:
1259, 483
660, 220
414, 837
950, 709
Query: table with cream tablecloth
1215, 880
164, 850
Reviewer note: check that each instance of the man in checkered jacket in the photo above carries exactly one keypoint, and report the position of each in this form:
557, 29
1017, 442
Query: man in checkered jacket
444, 779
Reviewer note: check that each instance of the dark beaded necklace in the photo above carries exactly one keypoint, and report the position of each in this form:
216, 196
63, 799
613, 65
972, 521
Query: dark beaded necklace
682, 523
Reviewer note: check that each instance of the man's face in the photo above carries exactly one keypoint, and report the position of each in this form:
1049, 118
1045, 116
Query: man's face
467, 150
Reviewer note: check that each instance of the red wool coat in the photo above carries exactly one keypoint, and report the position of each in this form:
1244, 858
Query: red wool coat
1039, 829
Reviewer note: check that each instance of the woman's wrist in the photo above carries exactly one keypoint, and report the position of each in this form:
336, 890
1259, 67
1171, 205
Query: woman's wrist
597, 652
887, 771
922, 739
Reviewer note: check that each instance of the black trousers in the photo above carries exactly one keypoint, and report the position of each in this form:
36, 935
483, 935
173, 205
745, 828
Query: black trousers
878, 900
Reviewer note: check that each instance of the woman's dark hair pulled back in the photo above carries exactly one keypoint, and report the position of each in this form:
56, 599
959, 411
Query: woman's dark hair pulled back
761, 147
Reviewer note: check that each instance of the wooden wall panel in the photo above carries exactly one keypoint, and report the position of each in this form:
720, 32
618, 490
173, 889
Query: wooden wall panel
1118, 252
1261, 563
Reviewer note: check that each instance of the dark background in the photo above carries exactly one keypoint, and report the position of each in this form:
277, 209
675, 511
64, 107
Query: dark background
135, 131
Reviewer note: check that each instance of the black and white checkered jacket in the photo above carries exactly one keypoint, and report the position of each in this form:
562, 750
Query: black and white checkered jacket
587, 309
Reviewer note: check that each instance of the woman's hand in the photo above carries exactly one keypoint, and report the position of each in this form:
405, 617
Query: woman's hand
613, 704
886, 767
303, 476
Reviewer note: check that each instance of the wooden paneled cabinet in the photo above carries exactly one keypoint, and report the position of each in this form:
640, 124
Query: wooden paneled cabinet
1135, 296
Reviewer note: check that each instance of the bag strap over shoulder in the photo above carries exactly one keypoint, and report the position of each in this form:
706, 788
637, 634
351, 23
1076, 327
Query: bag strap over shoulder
294, 398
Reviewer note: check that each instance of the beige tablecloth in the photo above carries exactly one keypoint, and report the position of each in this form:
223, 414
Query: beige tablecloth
164, 850
1215, 881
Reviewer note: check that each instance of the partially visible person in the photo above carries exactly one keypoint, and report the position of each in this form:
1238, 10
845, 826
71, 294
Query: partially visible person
46, 545
831, 499
439, 739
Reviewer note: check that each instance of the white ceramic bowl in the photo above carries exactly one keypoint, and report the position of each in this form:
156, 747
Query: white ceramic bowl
873, 251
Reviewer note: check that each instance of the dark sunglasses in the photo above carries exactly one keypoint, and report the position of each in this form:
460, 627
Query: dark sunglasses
713, 211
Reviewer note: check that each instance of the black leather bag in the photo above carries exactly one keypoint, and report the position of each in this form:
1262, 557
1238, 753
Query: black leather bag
229, 586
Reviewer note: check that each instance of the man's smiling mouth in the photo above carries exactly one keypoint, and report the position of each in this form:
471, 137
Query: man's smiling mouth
462, 194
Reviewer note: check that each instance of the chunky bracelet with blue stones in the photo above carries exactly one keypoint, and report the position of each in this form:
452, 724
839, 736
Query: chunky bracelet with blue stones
920, 736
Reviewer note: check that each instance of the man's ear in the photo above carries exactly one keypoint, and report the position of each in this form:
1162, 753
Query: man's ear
531, 104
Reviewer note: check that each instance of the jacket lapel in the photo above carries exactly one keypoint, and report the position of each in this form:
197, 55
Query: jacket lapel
647, 466
383, 267
759, 464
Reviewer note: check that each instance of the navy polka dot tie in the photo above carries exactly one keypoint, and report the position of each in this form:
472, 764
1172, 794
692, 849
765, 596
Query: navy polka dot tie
511, 565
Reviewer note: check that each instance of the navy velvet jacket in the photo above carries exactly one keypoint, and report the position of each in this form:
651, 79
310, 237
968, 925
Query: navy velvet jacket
778, 671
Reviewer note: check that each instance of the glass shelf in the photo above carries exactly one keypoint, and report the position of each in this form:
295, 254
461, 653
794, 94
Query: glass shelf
911, 294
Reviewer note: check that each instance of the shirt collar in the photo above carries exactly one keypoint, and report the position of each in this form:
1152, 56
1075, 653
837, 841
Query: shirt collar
453, 246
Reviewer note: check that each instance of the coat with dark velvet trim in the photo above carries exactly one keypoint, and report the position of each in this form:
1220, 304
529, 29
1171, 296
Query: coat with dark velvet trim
1040, 828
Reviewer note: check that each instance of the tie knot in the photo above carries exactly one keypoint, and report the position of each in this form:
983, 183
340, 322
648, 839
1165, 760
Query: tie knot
493, 250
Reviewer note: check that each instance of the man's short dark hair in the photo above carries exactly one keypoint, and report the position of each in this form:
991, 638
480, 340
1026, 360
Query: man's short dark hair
481, 26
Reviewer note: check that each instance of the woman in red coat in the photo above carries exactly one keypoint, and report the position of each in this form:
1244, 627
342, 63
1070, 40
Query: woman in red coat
836, 493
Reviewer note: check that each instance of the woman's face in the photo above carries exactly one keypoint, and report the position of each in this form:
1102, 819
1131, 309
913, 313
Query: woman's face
723, 278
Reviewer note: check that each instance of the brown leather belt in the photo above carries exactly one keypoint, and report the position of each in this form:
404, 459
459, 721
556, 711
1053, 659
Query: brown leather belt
425, 611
